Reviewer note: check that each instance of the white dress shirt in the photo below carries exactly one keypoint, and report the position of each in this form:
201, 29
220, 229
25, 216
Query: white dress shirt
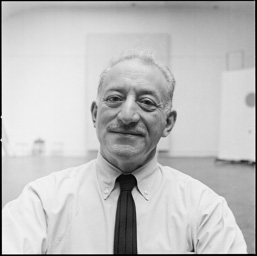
73, 211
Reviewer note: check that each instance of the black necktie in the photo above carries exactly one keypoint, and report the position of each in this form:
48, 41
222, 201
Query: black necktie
125, 237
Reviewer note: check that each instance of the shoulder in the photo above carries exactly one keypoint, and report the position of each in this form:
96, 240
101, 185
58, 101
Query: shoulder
69, 175
62, 183
188, 186
178, 177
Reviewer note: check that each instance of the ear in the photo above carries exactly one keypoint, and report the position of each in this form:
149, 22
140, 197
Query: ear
94, 112
170, 121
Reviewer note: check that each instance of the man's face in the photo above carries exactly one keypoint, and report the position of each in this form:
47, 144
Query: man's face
130, 117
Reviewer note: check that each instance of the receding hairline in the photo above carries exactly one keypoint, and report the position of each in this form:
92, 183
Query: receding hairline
132, 63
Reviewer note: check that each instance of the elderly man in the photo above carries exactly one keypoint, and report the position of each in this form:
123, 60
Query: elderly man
124, 201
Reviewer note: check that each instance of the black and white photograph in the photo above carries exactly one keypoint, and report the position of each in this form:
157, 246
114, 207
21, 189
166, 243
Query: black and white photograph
128, 127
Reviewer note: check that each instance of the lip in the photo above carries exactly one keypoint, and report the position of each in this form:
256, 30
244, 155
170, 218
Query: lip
128, 133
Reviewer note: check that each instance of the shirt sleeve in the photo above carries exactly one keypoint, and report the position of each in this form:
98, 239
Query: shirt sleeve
24, 224
217, 230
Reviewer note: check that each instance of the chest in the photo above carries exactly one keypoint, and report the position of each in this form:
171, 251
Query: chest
164, 225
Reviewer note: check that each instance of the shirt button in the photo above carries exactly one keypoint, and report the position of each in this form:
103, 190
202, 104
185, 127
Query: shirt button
106, 191
146, 192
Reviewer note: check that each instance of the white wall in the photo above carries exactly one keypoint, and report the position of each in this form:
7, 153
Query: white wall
44, 70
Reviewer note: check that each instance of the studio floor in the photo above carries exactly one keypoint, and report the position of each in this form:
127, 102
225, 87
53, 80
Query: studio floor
234, 181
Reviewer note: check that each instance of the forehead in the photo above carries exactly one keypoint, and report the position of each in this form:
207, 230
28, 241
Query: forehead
135, 73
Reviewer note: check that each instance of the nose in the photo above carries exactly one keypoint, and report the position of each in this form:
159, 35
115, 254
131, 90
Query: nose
129, 112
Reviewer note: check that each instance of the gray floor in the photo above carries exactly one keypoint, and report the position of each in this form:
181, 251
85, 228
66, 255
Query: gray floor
234, 181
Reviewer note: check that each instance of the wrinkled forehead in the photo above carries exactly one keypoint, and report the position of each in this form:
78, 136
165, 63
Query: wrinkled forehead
135, 70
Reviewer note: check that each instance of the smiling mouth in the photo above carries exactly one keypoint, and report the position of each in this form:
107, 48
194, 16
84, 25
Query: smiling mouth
128, 133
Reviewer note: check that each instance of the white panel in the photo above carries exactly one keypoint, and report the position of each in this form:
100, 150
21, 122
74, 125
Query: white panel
237, 123
101, 48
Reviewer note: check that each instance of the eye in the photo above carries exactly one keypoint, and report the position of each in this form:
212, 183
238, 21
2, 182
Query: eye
147, 104
113, 99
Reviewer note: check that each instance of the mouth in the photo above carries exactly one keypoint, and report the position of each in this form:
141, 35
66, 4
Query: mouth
127, 131
133, 133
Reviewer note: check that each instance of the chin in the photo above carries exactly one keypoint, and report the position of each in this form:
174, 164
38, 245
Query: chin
125, 152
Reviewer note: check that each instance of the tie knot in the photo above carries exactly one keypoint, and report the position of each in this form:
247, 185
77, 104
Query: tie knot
127, 182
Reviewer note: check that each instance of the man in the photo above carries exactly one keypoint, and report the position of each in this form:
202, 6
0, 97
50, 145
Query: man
77, 210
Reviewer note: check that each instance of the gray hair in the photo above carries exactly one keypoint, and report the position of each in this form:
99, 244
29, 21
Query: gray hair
146, 57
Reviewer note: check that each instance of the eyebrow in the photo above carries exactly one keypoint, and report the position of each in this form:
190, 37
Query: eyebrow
141, 91
149, 91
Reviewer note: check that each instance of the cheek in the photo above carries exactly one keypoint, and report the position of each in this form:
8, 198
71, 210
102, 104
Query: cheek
156, 132
155, 124
103, 118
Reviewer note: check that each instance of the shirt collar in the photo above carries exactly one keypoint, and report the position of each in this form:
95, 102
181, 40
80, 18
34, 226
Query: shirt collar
145, 175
